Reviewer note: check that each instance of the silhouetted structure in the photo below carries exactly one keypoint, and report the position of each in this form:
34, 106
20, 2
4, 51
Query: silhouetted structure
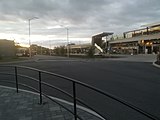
7, 48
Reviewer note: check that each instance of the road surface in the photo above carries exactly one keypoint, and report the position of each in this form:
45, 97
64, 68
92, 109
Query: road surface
137, 82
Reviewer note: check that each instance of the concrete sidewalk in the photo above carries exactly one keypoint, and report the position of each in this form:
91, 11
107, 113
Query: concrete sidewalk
24, 106
136, 58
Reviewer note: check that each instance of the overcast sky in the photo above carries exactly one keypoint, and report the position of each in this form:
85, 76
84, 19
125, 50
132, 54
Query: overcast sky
84, 18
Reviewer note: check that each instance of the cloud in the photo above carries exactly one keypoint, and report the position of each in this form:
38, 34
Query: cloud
83, 17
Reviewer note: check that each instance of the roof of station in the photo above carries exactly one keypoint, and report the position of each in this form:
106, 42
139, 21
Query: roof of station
80, 46
146, 37
103, 34
135, 30
151, 25
145, 27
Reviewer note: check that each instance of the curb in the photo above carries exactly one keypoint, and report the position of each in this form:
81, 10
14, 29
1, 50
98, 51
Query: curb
16, 62
154, 64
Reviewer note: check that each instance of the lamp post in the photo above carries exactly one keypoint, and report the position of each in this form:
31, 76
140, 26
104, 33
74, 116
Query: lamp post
68, 46
29, 29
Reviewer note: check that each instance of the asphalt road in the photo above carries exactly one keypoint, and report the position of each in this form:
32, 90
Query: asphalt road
136, 82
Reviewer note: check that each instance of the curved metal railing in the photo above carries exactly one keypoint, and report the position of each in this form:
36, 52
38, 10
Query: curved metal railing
73, 95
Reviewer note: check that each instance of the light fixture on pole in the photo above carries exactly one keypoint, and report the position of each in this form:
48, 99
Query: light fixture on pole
68, 46
29, 23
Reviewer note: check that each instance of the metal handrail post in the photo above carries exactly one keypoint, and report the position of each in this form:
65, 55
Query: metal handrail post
40, 88
16, 77
74, 100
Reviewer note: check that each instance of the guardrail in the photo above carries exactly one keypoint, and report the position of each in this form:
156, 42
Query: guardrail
73, 95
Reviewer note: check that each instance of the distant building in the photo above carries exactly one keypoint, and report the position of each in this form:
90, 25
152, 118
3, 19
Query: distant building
79, 49
7, 48
39, 50
22, 52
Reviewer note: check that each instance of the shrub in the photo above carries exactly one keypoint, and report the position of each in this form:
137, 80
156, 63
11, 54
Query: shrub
90, 52
158, 58
0, 57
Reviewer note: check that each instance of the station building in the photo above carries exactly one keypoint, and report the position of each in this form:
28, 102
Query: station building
145, 40
140, 41
79, 49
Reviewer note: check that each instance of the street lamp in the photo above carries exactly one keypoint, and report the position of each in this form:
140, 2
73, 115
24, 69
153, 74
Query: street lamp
67, 29
29, 23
